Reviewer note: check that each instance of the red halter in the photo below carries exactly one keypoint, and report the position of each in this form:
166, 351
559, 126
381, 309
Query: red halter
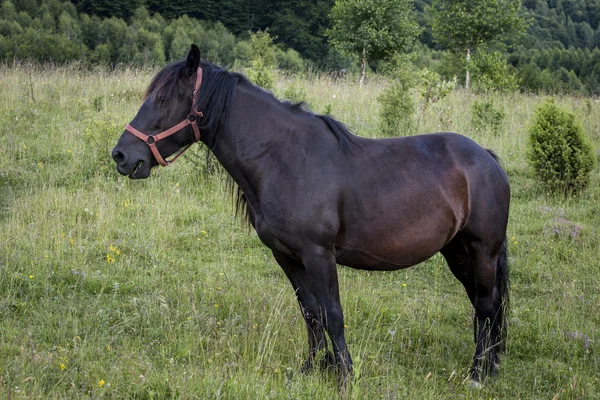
190, 120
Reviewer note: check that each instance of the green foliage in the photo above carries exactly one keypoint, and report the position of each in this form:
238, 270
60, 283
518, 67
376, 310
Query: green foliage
57, 33
263, 61
433, 87
559, 150
262, 46
373, 29
261, 74
396, 117
486, 117
491, 73
295, 92
290, 60
564, 24
559, 53
463, 24
558, 70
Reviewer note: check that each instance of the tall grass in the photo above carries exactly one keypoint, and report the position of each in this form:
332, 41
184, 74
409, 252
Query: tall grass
111, 288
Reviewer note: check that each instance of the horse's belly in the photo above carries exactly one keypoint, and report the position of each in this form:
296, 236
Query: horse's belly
394, 244
361, 259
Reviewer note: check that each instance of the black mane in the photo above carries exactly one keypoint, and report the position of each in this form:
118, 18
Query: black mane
216, 94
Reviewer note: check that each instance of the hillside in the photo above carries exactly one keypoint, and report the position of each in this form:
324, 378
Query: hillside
558, 53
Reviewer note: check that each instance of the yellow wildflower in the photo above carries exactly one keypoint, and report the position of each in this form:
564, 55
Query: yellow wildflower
101, 383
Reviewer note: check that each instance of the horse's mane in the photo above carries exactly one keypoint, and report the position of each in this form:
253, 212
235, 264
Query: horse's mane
216, 93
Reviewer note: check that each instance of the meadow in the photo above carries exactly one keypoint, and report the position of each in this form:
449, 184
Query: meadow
112, 288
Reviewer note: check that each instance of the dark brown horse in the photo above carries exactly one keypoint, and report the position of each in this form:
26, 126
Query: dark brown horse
318, 195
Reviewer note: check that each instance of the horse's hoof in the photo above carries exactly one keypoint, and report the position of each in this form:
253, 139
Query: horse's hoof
473, 384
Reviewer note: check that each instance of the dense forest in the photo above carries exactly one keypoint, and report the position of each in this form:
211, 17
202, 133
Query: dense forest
559, 51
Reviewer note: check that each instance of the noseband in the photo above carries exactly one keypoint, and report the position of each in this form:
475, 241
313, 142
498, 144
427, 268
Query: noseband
191, 119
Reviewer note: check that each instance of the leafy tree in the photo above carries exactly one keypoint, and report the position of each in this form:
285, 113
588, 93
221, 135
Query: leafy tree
373, 29
464, 26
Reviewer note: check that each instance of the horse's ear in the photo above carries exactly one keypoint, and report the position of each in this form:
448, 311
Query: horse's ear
192, 59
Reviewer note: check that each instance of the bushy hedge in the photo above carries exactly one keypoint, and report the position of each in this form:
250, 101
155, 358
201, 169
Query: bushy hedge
559, 150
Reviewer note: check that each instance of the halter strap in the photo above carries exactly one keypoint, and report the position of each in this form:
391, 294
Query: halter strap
192, 119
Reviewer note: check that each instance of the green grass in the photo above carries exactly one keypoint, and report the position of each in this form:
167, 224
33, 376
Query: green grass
111, 288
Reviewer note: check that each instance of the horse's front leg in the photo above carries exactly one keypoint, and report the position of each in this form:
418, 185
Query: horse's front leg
310, 309
320, 267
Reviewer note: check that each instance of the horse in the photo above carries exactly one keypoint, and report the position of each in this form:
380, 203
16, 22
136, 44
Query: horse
317, 196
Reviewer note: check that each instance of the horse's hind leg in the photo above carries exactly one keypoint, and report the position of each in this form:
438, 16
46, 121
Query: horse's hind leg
489, 297
309, 307
456, 254
480, 270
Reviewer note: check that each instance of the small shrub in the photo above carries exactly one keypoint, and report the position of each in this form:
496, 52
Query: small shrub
398, 106
261, 75
559, 150
486, 117
263, 62
433, 87
295, 92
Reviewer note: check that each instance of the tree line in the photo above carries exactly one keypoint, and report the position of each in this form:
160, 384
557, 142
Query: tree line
557, 52
57, 32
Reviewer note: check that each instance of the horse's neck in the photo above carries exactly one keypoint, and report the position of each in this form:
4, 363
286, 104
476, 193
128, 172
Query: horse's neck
253, 131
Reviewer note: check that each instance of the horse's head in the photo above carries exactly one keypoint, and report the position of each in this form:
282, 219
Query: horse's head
166, 121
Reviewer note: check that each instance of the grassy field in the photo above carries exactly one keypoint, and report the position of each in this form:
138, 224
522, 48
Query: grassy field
111, 288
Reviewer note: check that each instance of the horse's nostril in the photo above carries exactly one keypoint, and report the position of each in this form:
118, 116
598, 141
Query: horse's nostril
118, 156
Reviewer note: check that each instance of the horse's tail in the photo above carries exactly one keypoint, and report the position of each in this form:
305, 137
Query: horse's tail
494, 155
502, 285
